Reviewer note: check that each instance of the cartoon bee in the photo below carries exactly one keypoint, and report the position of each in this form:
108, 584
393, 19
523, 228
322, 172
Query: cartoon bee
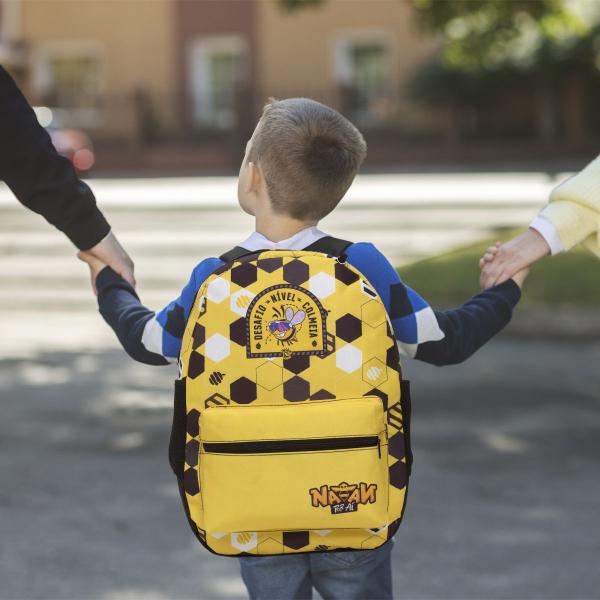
285, 329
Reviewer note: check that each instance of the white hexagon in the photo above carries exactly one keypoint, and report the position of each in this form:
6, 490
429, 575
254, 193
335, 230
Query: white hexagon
348, 358
323, 532
240, 301
216, 347
244, 541
321, 285
218, 289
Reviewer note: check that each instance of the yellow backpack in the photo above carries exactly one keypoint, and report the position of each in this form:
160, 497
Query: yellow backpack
291, 419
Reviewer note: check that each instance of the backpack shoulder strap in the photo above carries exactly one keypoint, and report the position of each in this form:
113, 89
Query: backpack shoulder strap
328, 245
235, 253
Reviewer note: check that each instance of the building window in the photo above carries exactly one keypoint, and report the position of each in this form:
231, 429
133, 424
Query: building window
68, 79
361, 71
217, 67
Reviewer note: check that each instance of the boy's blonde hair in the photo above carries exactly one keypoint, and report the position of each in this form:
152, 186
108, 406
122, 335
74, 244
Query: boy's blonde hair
309, 154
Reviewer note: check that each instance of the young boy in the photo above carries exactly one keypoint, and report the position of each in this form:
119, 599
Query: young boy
298, 164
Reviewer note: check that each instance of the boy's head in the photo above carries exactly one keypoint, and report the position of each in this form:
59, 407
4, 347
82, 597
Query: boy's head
301, 158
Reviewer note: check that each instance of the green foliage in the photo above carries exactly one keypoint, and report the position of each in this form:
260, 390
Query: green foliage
295, 5
450, 279
490, 35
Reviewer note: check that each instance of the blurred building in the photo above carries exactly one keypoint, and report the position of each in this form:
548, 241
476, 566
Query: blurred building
180, 83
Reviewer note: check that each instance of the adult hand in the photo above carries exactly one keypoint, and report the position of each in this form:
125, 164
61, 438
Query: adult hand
510, 258
111, 253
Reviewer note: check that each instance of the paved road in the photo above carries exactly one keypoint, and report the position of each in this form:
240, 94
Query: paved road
504, 499
503, 503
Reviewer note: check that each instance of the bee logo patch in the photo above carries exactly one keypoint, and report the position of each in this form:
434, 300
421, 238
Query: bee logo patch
285, 320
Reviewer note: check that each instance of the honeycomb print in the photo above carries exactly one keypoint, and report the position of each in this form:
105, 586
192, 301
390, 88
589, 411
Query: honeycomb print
360, 358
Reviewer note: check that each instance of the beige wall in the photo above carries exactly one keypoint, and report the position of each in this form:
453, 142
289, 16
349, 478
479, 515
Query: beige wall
296, 50
135, 39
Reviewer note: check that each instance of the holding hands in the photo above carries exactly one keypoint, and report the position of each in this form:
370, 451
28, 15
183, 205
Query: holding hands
108, 252
508, 261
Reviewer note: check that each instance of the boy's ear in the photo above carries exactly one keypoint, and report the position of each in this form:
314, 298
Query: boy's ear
256, 177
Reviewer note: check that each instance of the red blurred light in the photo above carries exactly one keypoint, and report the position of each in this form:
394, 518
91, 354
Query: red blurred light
83, 159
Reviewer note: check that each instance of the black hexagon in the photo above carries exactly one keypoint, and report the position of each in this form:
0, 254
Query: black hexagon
270, 264
348, 328
237, 331
295, 539
296, 389
396, 446
190, 482
244, 274
199, 336
344, 274
392, 358
295, 272
296, 364
243, 391
196, 365
322, 394
192, 449
192, 422
398, 475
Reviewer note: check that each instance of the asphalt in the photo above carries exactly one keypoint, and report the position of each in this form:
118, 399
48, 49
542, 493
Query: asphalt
503, 502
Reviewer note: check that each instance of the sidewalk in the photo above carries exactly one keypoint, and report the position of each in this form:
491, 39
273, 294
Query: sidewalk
401, 189
502, 504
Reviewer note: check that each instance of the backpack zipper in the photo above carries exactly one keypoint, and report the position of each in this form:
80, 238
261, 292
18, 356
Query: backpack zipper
301, 445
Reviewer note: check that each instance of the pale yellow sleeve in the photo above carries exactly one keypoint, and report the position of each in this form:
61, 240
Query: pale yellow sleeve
573, 222
574, 207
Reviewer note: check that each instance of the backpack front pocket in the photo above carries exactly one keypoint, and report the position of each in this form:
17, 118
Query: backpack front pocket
317, 465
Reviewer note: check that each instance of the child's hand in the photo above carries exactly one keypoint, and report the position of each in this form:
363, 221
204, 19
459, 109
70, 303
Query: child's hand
95, 265
491, 261
520, 276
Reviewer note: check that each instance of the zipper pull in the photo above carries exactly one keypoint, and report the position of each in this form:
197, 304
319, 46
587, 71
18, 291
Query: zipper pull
379, 446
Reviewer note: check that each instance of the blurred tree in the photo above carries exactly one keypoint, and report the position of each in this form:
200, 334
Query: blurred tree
552, 46
292, 5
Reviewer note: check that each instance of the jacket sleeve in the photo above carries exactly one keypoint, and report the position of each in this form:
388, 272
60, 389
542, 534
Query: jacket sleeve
39, 177
574, 207
434, 336
149, 337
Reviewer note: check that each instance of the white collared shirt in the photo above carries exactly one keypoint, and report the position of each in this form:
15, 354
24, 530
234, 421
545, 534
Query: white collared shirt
299, 241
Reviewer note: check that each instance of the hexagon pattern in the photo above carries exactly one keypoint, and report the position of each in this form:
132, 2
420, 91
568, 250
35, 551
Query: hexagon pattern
237, 332
240, 301
321, 285
217, 347
269, 375
348, 328
218, 290
348, 358
365, 363
243, 391
374, 372
296, 389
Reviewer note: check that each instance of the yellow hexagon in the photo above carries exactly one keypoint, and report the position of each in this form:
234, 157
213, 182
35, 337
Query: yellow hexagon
269, 375
372, 313
374, 372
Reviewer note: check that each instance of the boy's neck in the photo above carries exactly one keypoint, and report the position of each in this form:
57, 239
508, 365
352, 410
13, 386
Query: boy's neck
280, 227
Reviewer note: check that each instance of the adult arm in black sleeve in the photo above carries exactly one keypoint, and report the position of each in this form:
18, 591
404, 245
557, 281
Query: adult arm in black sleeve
469, 327
39, 177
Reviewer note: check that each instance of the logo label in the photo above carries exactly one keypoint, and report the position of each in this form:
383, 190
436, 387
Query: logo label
344, 497
285, 320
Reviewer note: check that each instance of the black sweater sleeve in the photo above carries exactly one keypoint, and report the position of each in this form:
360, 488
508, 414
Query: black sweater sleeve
121, 308
470, 326
39, 177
